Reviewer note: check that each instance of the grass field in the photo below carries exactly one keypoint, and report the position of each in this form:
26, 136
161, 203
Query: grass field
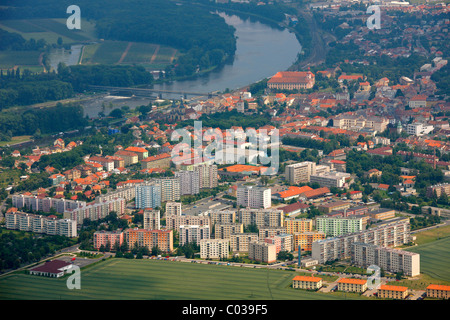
14, 140
162, 280
427, 236
9, 59
109, 52
435, 258
420, 283
50, 30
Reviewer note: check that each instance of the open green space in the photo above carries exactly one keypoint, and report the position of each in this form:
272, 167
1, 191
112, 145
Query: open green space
109, 52
435, 258
9, 59
154, 279
427, 236
50, 30
419, 283
15, 140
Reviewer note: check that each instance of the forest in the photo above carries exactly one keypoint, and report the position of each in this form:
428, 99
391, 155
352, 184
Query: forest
48, 120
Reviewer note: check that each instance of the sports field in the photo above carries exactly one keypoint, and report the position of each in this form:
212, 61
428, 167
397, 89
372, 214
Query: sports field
435, 258
161, 280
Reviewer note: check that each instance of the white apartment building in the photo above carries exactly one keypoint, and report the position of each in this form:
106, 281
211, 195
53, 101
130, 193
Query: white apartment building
262, 251
41, 224
389, 234
300, 172
207, 175
173, 208
173, 222
239, 241
254, 197
262, 217
332, 179
152, 219
225, 230
356, 123
193, 233
96, 210
391, 260
418, 129
214, 248
189, 182
221, 216
170, 189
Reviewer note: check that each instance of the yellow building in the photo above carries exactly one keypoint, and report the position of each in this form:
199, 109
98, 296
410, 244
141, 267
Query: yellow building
305, 239
352, 285
438, 291
298, 225
304, 282
392, 292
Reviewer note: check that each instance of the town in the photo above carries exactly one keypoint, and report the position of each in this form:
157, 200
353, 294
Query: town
359, 171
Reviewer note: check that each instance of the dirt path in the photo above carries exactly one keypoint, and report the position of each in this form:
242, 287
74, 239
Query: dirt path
155, 54
124, 54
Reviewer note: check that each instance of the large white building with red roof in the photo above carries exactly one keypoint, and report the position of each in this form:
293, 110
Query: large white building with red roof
292, 80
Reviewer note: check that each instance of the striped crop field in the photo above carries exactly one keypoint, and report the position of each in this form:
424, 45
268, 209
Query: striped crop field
435, 258
124, 279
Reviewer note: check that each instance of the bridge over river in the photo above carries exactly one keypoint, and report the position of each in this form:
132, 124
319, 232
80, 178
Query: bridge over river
151, 92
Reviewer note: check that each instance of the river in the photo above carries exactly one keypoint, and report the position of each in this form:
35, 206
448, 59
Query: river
261, 51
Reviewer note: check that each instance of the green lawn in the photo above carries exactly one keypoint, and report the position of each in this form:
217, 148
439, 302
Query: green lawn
167, 280
435, 258
419, 283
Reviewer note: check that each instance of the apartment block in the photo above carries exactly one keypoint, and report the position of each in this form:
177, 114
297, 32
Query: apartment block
389, 259
224, 231
438, 291
331, 179
147, 196
254, 197
262, 251
44, 204
438, 189
300, 172
96, 210
222, 216
207, 175
163, 239
170, 189
308, 283
189, 182
283, 242
338, 226
214, 248
152, 219
352, 285
173, 222
41, 224
173, 208
392, 292
193, 233
268, 232
262, 218
239, 241
159, 161
128, 157
304, 240
108, 238
298, 225
389, 234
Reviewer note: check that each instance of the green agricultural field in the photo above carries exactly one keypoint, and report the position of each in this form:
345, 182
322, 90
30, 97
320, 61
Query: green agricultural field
23, 59
50, 30
432, 235
435, 258
161, 280
140, 53
109, 52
